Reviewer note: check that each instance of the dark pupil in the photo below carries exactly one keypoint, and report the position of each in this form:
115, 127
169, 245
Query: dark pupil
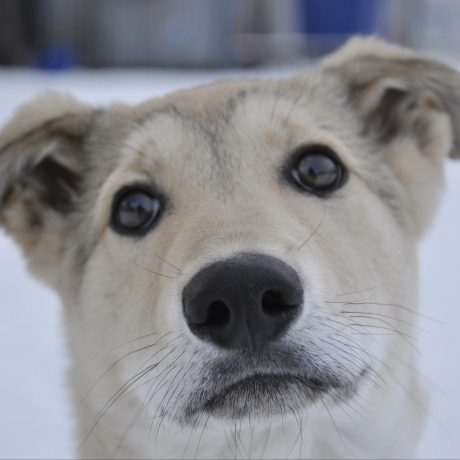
136, 210
317, 170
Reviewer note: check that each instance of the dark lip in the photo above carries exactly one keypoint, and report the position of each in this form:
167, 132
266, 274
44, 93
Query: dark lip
268, 382
265, 394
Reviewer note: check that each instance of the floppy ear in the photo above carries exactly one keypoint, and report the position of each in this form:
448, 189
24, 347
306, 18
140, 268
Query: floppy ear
396, 91
409, 106
42, 158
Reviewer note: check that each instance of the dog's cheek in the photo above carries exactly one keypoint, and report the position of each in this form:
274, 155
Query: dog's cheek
119, 289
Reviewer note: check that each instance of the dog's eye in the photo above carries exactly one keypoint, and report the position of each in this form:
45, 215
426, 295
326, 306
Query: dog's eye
318, 170
134, 211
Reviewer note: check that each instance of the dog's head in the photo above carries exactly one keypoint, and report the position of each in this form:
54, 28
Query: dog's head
251, 244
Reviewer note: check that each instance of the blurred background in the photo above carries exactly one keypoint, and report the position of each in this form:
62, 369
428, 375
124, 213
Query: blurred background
61, 34
132, 50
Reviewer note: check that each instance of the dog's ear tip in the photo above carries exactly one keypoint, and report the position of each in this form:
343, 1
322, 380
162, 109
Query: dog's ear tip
50, 125
45, 106
397, 91
366, 45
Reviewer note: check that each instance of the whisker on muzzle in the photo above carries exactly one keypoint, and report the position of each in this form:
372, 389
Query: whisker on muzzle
151, 271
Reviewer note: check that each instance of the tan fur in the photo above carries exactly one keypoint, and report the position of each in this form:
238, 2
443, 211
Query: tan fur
217, 152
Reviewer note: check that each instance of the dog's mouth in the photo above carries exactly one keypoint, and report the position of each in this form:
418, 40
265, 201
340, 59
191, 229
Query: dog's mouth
265, 395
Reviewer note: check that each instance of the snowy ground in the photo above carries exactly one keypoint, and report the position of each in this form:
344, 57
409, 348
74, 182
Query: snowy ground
35, 419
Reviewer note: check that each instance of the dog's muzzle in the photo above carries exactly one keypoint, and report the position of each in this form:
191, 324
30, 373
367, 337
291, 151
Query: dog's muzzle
243, 303
246, 307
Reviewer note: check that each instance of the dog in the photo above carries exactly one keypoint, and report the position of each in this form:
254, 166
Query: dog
238, 262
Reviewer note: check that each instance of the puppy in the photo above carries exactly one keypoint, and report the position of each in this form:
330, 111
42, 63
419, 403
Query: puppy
238, 262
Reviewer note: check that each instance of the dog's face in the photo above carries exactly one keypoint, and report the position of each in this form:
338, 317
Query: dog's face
250, 245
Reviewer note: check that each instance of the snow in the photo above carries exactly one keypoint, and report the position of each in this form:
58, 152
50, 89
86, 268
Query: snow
35, 411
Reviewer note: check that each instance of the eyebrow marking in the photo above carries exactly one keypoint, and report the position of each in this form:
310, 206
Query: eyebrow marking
168, 109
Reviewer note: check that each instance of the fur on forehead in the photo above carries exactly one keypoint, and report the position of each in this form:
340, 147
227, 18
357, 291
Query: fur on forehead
249, 131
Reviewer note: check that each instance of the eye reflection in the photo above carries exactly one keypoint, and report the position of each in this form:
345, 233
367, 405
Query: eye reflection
318, 170
134, 211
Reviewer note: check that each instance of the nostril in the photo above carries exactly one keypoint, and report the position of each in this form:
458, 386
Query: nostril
243, 302
273, 303
218, 315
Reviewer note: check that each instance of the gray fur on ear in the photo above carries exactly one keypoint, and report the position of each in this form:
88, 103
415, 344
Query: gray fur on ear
42, 161
397, 91
41, 149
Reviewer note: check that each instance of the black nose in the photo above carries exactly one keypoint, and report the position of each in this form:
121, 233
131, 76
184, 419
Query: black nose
244, 302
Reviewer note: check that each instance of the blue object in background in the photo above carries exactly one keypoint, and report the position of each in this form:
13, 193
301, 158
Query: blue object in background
344, 17
56, 57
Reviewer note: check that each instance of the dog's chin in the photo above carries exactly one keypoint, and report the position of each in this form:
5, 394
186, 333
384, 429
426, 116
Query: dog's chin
266, 395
